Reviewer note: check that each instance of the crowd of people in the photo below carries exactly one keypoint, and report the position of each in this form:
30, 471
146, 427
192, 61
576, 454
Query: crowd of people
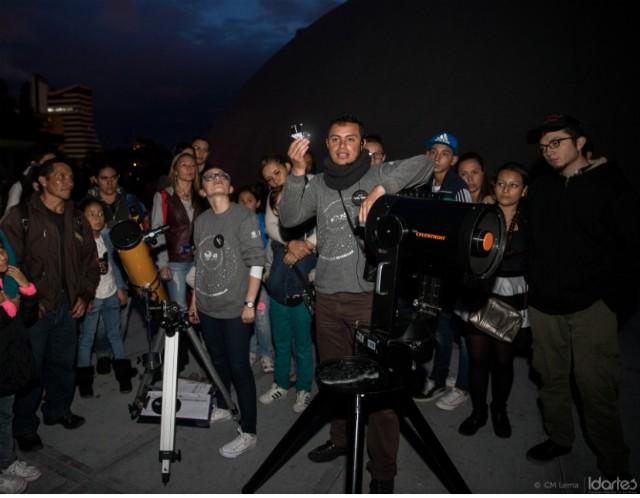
274, 272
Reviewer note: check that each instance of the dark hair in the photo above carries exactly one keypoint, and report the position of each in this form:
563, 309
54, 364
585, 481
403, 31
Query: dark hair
46, 168
374, 139
88, 201
516, 168
471, 155
588, 145
516, 220
348, 119
485, 188
199, 137
255, 190
97, 164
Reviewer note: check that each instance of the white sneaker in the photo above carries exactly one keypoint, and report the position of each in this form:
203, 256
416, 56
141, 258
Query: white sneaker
451, 381
452, 400
22, 469
303, 398
274, 393
220, 415
267, 364
12, 485
239, 445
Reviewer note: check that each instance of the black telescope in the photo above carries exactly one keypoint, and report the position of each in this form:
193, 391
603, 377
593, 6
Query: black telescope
416, 243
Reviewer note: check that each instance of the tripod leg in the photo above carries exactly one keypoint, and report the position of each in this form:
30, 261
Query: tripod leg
168, 414
146, 379
354, 459
211, 371
426, 444
308, 424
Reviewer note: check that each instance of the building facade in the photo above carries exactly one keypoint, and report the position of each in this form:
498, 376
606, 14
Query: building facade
70, 113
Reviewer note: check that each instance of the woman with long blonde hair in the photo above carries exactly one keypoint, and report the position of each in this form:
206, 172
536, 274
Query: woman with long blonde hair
178, 206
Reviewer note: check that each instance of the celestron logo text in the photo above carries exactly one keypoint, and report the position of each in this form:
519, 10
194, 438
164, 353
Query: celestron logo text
424, 235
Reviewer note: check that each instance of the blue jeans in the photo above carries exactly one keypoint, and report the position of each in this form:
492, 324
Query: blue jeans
54, 341
101, 344
7, 452
177, 286
261, 340
442, 359
109, 310
227, 341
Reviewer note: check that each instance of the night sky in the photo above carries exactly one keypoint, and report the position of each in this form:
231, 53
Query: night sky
159, 69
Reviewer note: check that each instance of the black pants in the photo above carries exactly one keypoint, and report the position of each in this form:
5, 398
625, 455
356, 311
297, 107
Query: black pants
227, 341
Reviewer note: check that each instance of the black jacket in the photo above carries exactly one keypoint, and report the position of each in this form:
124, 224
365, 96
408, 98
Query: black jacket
584, 239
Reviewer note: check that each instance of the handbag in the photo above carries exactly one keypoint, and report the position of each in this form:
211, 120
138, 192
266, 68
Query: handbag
497, 319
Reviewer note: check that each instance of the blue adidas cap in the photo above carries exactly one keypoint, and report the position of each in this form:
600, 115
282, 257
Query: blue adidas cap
445, 139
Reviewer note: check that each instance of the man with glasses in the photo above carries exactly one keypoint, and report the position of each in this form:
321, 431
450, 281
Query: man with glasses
339, 197
583, 234
374, 146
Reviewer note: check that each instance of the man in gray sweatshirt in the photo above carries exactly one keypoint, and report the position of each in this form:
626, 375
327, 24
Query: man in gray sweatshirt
347, 187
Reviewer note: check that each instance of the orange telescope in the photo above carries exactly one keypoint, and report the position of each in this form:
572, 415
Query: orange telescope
129, 240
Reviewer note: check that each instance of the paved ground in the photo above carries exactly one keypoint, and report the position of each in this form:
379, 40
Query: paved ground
113, 454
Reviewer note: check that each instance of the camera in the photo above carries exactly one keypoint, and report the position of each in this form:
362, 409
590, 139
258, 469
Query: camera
297, 132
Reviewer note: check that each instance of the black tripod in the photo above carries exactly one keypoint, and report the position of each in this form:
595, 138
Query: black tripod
415, 242
362, 380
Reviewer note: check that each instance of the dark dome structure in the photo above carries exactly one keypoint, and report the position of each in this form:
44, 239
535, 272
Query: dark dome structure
486, 71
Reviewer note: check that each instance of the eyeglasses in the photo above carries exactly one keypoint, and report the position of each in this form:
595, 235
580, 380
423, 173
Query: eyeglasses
216, 176
553, 144
376, 155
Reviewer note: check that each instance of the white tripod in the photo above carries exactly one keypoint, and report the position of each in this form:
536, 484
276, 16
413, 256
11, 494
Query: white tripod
173, 323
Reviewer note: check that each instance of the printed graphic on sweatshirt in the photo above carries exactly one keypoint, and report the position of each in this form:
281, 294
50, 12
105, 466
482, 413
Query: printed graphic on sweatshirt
337, 237
215, 268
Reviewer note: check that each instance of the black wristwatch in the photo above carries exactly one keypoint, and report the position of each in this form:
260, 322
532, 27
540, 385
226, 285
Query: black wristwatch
250, 304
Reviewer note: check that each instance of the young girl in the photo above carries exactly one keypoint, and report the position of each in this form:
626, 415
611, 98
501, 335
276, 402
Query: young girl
15, 312
292, 259
229, 264
489, 356
249, 197
110, 295
470, 167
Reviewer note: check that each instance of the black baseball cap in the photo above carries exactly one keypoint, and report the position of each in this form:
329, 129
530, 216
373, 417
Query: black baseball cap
554, 122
